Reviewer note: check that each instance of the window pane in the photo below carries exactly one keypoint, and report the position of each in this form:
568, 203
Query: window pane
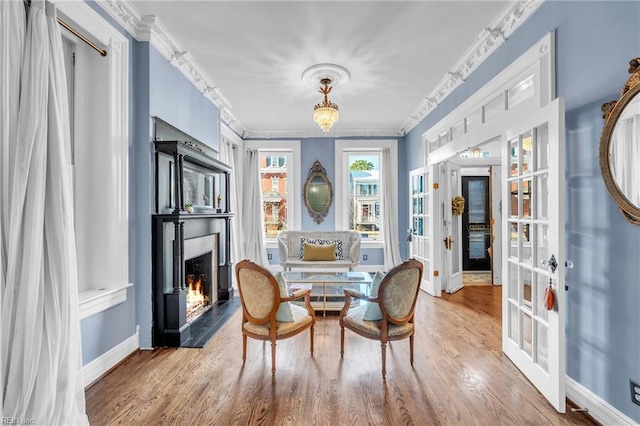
493, 108
520, 92
457, 130
273, 178
474, 120
364, 195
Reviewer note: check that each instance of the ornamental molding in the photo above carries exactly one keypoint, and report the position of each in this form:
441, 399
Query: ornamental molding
511, 17
150, 28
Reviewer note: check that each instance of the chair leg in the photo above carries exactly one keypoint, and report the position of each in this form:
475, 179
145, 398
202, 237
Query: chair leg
384, 359
244, 347
273, 358
312, 340
341, 342
411, 348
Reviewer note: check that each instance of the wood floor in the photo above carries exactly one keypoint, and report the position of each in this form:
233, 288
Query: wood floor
459, 377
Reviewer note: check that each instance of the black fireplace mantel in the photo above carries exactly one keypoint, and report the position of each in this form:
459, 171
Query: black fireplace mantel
175, 162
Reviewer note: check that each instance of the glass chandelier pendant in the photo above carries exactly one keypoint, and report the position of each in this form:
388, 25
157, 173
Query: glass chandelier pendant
326, 114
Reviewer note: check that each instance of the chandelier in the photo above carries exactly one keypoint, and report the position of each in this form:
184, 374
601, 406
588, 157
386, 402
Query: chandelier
326, 113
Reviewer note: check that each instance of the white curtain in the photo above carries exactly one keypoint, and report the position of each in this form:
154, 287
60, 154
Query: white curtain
252, 220
41, 361
12, 32
229, 154
389, 212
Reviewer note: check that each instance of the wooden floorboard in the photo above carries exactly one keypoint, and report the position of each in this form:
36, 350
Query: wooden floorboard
459, 377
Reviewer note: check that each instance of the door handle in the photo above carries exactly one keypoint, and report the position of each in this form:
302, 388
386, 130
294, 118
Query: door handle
448, 242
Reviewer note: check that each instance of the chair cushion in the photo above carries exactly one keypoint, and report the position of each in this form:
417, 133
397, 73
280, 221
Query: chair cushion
300, 319
355, 320
319, 252
373, 312
322, 242
283, 314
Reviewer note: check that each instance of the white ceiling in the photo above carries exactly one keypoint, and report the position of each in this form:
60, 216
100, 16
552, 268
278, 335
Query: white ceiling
255, 52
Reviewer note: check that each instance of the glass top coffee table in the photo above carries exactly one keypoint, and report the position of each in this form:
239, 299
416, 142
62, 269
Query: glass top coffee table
327, 287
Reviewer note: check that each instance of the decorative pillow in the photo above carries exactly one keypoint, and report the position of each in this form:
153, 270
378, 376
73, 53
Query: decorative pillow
320, 242
373, 313
319, 252
283, 314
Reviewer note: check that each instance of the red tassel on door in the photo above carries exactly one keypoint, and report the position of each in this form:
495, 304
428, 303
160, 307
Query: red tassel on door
549, 298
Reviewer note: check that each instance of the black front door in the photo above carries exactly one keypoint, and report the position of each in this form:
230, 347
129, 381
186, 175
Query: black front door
476, 218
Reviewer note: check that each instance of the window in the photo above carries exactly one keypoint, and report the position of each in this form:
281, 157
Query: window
279, 170
364, 194
274, 200
359, 187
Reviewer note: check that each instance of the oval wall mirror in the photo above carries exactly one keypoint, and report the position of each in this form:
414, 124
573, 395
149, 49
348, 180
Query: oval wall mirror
317, 192
620, 147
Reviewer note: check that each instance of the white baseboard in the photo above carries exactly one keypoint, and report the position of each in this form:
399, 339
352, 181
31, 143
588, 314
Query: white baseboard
96, 368
599, 409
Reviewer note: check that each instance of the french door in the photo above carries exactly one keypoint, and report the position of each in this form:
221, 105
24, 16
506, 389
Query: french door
452, 232
425, 226
533, 232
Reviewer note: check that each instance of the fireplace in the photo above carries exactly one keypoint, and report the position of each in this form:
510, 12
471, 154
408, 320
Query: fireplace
198, 278
200, 275
191, 268
191, 272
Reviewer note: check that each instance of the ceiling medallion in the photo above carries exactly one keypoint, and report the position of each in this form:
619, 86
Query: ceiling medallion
326, 113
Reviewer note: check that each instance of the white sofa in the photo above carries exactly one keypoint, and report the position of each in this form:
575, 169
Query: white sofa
290, 242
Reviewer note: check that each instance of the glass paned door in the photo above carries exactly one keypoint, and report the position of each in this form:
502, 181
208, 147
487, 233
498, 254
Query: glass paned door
452, 232
533, 227
422, 219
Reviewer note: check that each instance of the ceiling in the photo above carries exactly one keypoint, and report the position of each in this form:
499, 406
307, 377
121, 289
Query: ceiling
255, 52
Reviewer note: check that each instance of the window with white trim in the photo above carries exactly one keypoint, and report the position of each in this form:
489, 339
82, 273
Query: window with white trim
359, 186
279, 170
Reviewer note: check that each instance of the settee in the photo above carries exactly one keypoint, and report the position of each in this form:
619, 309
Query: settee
291, 244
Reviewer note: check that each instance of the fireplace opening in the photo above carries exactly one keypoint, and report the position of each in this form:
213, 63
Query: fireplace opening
198, 281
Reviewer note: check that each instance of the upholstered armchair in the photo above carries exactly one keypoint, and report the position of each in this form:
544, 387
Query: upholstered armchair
266, 312
389, 313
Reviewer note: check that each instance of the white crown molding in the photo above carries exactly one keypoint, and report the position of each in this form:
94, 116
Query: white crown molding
511, 17
150, 28
302, 134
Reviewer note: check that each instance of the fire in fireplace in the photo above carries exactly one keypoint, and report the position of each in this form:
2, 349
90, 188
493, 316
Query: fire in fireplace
198, 284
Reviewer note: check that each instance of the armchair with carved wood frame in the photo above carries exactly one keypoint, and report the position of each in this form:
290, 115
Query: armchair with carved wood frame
396, 298
261, 297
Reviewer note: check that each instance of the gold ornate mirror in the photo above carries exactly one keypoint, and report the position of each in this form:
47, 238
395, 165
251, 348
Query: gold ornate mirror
317, 192
620, 146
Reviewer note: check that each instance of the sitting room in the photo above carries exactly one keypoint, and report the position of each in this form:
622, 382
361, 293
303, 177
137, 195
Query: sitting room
312, 212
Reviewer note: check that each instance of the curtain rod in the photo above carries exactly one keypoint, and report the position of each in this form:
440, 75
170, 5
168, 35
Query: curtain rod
73, 31
82, 37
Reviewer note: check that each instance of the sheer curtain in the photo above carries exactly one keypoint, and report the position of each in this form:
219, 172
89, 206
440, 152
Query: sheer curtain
12, 32
252, 220
229, 155
41, 361
389, 213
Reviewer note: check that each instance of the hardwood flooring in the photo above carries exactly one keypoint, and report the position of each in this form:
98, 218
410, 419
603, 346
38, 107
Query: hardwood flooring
459, 377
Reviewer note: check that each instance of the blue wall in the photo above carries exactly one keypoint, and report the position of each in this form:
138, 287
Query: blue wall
594, 43
323, 149
156, 89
